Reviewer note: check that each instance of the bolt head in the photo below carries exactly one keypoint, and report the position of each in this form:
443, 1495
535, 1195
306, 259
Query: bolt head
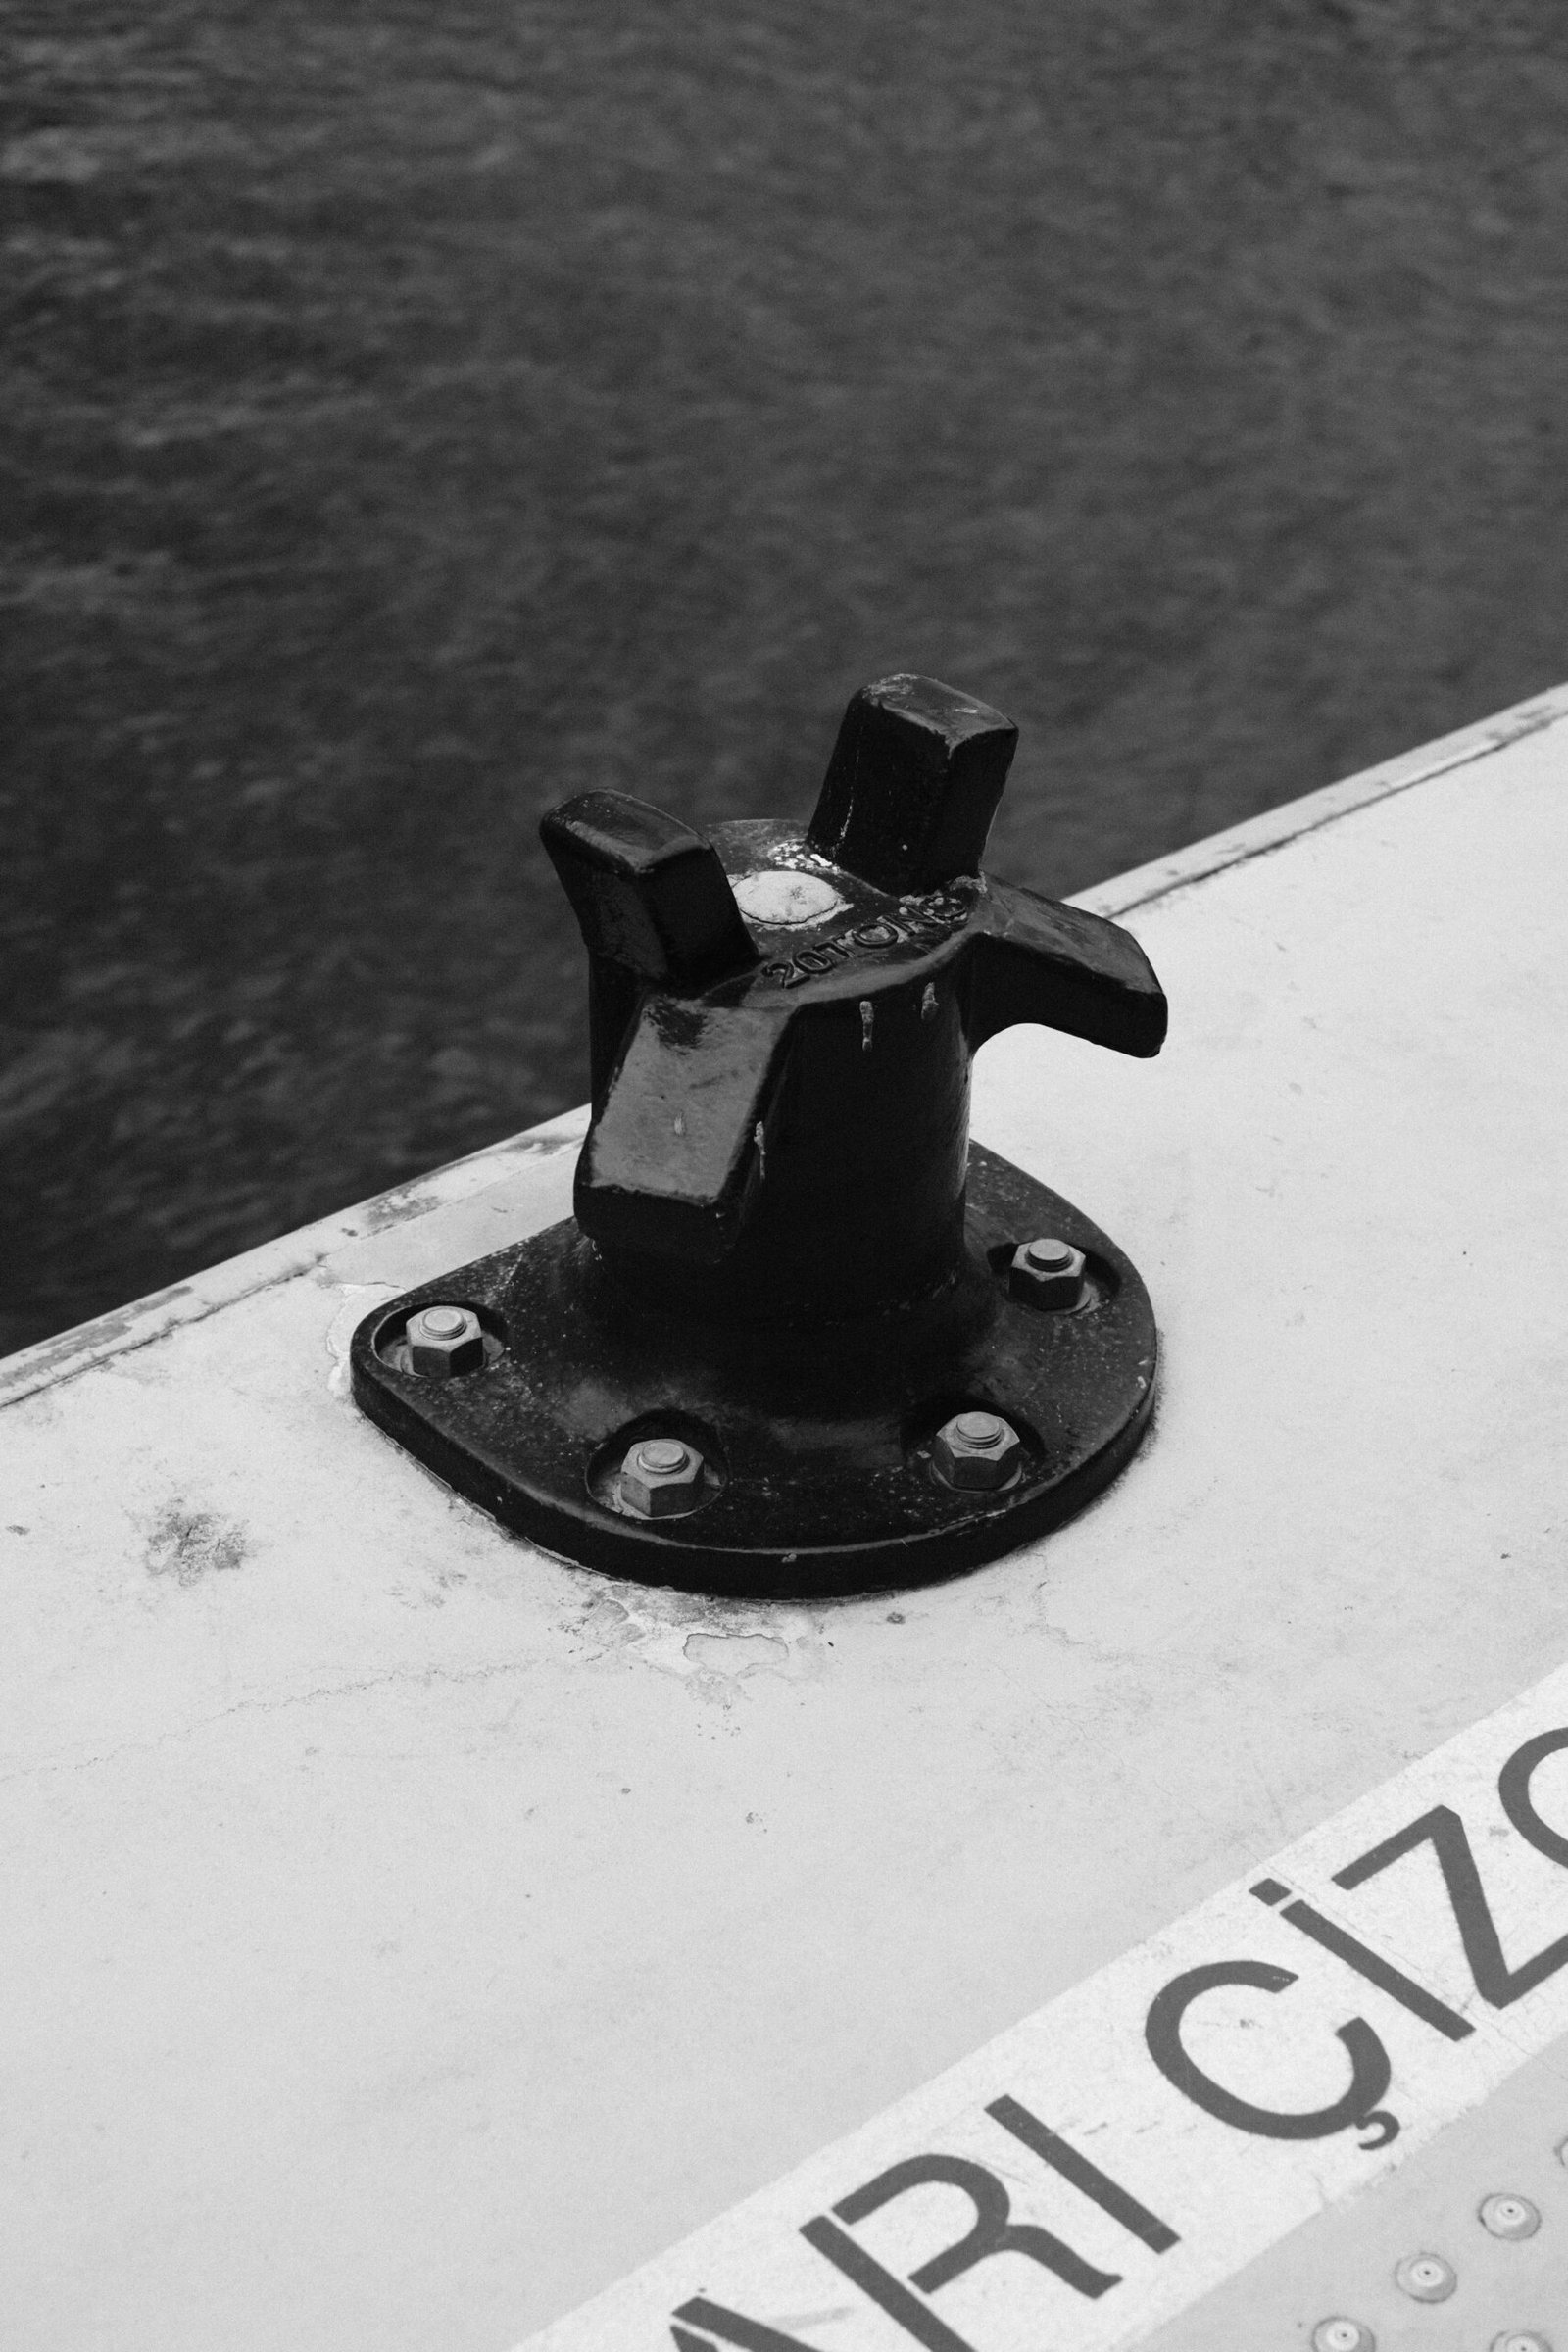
661, 1478
1342, 2336
1506, 2216
1048, 1272
1425, 2277
443, 1341
977, 1451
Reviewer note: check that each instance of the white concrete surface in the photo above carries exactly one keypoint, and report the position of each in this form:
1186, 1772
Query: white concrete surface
1323, 2089
409, 1934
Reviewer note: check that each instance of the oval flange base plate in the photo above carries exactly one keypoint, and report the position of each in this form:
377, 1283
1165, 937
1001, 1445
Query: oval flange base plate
819, 1473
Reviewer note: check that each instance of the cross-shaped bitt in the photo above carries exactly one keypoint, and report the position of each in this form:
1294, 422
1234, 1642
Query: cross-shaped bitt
799, 1338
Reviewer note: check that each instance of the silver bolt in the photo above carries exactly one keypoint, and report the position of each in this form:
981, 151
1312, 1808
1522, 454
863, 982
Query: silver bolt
1048, 1272
1509, 2217
978, 1451
1342, 2336
1521, 2339
662, 1478
443, 1341
1425, 2277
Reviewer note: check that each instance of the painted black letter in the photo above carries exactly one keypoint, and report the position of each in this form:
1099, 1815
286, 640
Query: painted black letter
1496, 1982
1513, 1786
731, 2327
994, 2232
1369, 2062
1064, 2158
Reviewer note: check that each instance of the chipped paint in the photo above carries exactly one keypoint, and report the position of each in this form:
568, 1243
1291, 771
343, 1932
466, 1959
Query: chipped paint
359, 1298
736, 1653
187, 1544
144, 1321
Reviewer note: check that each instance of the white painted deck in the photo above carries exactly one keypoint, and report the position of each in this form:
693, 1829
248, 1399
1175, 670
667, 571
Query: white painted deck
408, 1934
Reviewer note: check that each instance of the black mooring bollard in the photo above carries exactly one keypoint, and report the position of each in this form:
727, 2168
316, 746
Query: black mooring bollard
798, 1338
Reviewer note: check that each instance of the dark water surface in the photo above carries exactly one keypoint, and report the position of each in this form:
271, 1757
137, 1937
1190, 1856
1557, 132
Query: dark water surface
417, 412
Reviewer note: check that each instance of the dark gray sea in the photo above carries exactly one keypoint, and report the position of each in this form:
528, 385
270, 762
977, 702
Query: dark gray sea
417, 410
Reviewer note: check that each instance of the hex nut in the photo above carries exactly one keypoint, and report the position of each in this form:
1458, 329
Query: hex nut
1048, 1272
661, 1478
977, 1451
443, 1341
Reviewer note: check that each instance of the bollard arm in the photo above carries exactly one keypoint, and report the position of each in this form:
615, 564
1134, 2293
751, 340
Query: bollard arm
699, 1015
